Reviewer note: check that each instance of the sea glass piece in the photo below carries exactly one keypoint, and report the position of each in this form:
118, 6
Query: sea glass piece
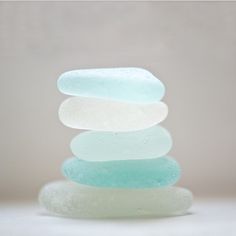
106, 115
76, 200
147, 173
107, 146
123, 84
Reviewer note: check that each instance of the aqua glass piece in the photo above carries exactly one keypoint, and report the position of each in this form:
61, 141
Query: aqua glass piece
69, 199
147, 173
123, 84
109, 146
105, 115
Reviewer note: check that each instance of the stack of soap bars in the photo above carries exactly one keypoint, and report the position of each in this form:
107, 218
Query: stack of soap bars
120, 166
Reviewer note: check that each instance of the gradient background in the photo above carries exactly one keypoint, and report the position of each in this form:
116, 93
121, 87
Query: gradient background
190, 46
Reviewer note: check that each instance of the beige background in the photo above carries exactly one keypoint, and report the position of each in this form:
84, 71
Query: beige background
190, 46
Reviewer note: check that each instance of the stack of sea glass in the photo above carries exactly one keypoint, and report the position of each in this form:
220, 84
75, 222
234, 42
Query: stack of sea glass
120, 166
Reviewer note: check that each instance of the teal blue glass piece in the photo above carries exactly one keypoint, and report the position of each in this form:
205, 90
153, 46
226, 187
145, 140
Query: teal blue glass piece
159, 172
109, 146
124, 84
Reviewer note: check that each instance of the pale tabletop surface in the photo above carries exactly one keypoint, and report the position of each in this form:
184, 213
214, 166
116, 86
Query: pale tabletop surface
215, 217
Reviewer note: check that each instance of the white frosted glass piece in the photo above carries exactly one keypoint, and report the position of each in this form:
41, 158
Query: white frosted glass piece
106, 115
75, 200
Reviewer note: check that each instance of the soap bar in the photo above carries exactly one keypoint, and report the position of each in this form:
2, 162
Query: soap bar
107, 146
75, 200
123, 84
106, 115
147, 173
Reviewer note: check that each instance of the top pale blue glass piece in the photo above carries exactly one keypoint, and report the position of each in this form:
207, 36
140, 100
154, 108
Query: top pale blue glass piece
128, 84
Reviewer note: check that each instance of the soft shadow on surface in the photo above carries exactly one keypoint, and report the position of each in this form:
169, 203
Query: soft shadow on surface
117, 219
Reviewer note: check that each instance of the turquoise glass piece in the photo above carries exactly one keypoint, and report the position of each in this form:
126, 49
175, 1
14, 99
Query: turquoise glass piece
159, 172
123, 84
109, 146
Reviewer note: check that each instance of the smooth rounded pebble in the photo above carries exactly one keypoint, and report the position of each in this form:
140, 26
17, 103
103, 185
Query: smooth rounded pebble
105, 115
75, 200
122, 84
109, 146
149, 173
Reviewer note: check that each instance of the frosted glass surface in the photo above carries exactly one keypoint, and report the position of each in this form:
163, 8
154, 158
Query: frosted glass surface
105, 115
124, 84
107, 146
147, 173
75, 200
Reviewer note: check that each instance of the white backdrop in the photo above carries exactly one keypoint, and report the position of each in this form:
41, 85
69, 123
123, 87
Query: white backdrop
190, 46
